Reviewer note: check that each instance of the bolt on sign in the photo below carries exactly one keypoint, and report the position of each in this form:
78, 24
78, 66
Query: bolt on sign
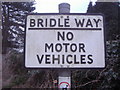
64, 41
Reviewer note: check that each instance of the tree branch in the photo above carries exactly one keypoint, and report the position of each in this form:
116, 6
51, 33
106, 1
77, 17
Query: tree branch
93, 81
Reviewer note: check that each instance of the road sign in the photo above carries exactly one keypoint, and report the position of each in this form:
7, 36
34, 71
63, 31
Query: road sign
64, 82
64, 41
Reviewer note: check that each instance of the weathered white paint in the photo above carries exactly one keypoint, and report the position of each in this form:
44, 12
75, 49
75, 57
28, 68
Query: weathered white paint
92, 39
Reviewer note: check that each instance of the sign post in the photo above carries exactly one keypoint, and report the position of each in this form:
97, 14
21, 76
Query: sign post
64, 78
64, 41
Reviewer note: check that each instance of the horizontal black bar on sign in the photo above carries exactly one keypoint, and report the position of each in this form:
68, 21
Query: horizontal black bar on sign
64, 29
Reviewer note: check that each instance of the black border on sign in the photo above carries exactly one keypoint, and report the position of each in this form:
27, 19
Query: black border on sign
70, 68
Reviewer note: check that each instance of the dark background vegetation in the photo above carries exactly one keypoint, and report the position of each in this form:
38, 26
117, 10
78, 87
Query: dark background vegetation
15, 75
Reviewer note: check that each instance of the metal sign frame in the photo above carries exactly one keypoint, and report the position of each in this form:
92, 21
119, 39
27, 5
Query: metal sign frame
64, 28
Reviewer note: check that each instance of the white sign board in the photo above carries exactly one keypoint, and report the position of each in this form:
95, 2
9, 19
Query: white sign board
64, 41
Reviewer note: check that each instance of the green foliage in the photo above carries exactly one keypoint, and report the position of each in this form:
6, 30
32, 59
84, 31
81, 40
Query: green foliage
15, 65
111, 76
13, 23
111, 11
16, 62
90, 8
19, 79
